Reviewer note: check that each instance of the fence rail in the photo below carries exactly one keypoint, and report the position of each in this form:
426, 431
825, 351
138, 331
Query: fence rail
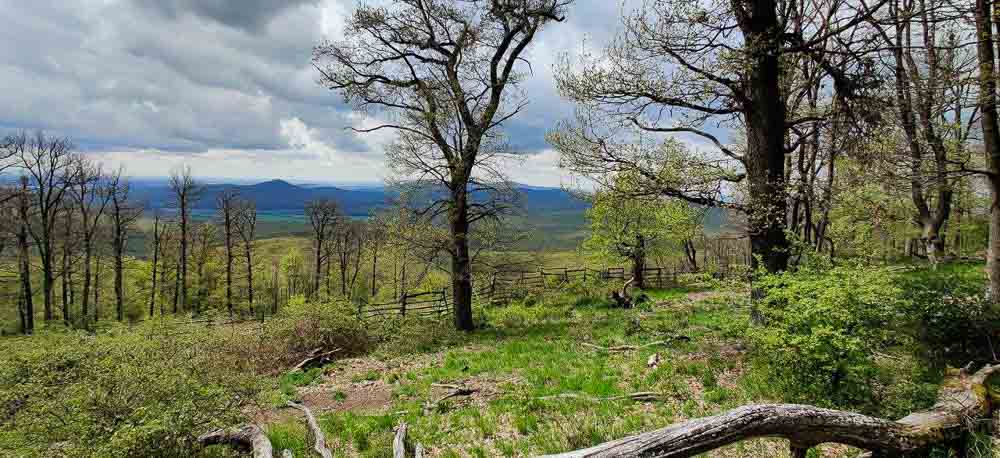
504, 286
426, 303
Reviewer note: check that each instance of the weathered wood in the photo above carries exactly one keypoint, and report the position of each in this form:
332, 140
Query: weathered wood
962, 397
319, 441
418, 452
315, 359
399, 442
286, 453
247, 437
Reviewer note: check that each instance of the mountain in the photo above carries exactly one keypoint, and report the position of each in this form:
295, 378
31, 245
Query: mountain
280, 195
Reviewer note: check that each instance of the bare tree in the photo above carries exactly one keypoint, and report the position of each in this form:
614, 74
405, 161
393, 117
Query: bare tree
23, 254
348, 242
246, 228
203, 237
124, 213
446, 70
226, 207
91, 195
186, 192
157, 244
46, 162
323, 216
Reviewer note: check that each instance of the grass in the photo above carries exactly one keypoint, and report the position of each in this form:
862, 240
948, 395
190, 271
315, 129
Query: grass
517, 362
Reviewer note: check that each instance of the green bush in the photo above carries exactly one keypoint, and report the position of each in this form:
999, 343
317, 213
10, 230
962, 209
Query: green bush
130, 394
953, 318
827, 334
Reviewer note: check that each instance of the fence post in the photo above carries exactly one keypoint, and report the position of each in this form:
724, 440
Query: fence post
402, 306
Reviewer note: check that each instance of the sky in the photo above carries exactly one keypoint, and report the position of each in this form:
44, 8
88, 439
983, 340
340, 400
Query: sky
226, 86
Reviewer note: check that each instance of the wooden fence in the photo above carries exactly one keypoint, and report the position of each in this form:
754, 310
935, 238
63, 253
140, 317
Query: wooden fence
503, 286
427, 303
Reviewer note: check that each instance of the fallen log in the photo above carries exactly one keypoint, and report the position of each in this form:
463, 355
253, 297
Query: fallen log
319, 441
962, 397
315, 359
246, 437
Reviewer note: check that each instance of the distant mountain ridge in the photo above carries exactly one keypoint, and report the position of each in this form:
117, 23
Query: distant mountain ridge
274, 195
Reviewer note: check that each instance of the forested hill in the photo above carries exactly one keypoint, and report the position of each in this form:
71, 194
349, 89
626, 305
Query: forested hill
281, 195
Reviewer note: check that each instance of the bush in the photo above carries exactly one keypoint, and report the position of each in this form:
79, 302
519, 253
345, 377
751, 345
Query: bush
953, 318
302, 327
827, 332
129, 394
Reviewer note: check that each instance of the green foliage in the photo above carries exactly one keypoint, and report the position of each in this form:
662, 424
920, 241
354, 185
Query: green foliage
951, 314
827, 332
623, 228
129, 394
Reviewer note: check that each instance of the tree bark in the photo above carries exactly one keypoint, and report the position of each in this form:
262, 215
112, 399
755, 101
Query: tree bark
24, 262
765, 119
461, 265
991, 141
962, 397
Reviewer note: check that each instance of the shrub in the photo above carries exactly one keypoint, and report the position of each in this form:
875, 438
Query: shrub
825, 330
952, 315
131, 394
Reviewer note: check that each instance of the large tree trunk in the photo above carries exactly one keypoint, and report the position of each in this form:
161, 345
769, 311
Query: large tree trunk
963, 398
765, 120
991, 141
461, 265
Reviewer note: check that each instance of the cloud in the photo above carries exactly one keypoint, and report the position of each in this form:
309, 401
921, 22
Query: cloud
227, 85
247, 14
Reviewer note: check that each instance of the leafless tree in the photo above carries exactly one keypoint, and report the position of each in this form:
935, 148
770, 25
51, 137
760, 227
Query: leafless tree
226, 207
187, 191
90, 192
157, 241
124, 212
47, 163
203, 237
445, 70
246, 229
324, 215
24, 256
347, 244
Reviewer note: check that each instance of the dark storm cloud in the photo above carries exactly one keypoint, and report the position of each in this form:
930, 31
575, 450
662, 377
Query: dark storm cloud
188, 76
247, 14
